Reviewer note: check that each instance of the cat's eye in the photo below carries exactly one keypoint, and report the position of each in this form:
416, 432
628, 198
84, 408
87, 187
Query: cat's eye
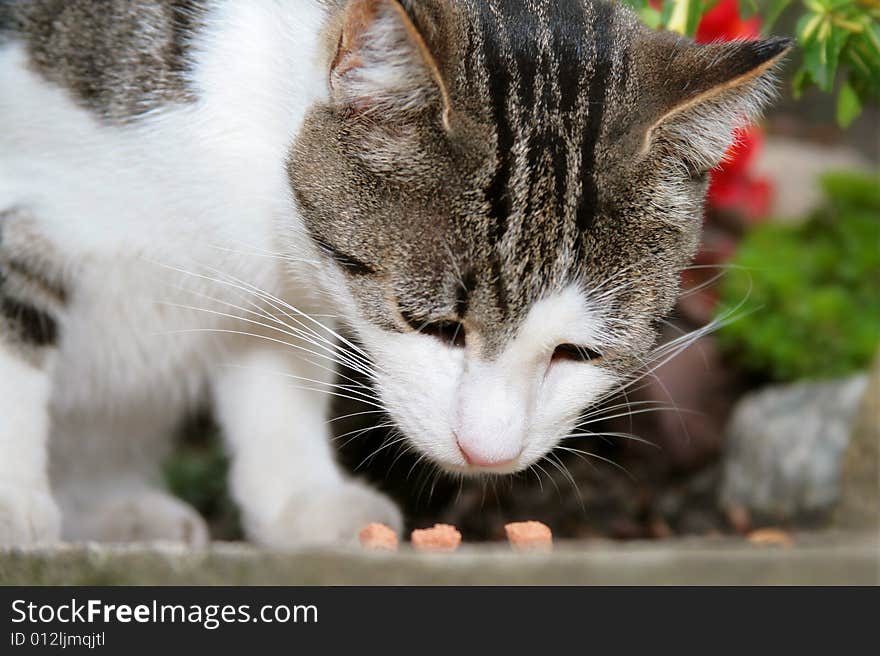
349, 263
447, 331
573, 353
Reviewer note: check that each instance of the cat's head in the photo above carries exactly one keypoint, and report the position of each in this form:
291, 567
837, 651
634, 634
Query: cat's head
503, 195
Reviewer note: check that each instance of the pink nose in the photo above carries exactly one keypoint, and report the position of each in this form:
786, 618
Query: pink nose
476, 458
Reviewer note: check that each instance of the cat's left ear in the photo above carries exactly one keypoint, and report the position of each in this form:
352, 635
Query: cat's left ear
383, 65
702, 93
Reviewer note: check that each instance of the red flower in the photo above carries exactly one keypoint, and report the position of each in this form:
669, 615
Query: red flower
723, 23
733, 188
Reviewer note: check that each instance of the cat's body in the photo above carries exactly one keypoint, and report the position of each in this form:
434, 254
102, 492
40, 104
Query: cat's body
147, 158
114, 208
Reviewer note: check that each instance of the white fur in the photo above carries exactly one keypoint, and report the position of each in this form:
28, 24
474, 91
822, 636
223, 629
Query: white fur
508, 412
166, 228
27, 511
147, 218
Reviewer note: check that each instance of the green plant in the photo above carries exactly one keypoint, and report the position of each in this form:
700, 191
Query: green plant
839, 39
197, 473
812, 291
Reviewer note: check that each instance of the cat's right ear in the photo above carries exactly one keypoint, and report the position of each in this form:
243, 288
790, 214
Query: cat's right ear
701, 93
383, 64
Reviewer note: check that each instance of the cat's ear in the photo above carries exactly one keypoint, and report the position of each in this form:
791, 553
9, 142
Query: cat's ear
383, 64
702, 93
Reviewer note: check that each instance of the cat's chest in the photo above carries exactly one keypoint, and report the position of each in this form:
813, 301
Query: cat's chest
163, 230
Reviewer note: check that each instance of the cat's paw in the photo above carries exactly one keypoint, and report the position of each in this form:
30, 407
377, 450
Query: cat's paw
147, 516
27, 517
333, 515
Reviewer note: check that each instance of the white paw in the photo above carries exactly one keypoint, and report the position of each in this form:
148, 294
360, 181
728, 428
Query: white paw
332, 515
145, 516
27, 517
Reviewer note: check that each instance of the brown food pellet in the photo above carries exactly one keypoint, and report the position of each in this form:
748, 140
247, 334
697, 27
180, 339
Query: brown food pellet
770, 537
442, 537
740, 519
529, 536
660, 529
378, 537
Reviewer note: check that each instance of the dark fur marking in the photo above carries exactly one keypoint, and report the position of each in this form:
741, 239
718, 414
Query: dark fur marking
118, 58
597, 90
500, 288
53, 288
350, 263
463, 293
34, 327
411, 320
568, 26
500, 84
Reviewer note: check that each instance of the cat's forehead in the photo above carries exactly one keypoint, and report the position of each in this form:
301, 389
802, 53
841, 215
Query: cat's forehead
515, 149
541, 76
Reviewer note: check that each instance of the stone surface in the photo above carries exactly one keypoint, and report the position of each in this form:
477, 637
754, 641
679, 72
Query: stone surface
859, 504
784, 447
795, 166
813, 559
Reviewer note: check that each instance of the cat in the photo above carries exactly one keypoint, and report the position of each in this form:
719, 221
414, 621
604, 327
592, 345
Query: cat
495, 197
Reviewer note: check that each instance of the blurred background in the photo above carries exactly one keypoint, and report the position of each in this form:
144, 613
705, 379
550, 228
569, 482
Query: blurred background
770, 413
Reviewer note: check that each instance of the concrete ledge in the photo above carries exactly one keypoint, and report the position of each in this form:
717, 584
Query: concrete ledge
820, 559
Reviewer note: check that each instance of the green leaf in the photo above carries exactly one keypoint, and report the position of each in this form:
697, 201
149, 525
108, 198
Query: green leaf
636, 5
808, 28
800, 82
863, 59
748, 8
872, 37
848, 105
774, 10
685, 16
650, 16
822, 42
666, 11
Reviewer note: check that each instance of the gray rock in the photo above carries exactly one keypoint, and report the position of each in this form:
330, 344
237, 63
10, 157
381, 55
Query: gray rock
859, 504
784, 447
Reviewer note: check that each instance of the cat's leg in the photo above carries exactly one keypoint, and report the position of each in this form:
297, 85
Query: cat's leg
28, 512
30, 306
284, 476
106, 474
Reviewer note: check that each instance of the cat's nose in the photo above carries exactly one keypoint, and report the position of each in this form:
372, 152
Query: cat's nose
478, 453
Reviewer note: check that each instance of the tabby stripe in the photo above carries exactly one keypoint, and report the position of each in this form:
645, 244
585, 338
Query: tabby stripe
570, 22
500, 289
596, 95
499, 89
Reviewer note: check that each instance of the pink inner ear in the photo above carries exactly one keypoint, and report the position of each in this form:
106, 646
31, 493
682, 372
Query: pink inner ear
382, 62
359, 17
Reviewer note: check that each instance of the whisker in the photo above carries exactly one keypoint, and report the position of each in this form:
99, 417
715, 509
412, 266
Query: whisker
357, 432
635, 412
628, 436
262, 325
395, 438
581, 454
550, 478
241, 285
354, 414
554, 460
